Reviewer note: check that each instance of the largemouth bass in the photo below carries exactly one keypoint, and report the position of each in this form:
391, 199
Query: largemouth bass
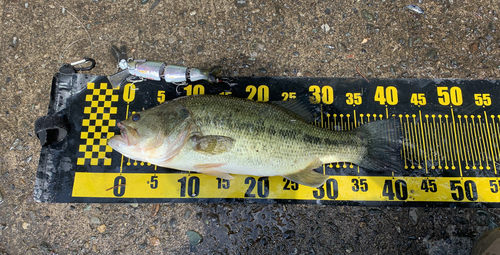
224, 135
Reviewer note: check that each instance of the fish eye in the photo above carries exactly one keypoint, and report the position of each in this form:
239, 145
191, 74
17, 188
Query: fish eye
136, 117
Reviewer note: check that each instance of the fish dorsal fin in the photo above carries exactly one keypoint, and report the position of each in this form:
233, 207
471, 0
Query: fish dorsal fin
212, 144
298, 108
307, 176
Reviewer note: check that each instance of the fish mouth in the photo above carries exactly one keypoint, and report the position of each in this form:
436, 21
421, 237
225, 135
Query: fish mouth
123, 132
129, 135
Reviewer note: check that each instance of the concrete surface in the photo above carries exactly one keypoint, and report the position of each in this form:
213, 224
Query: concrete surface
458, 39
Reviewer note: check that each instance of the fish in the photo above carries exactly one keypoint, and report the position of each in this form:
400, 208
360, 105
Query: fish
224, 135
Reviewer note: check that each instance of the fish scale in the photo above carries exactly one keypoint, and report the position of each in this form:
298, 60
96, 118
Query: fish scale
265, 128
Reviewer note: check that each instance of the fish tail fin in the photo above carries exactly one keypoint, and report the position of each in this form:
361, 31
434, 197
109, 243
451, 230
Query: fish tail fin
383, 146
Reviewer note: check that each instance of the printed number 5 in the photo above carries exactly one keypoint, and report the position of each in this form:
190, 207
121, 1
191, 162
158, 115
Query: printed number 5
154, 182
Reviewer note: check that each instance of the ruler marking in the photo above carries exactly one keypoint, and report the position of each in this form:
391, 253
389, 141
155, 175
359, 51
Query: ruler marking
443, 141
463, 145
436, 138
404, 139
412, 142
411, 146
483, 141
471, 144
471, 149
457, 149
321, 111
440, 140
429, 141
493, 143
423, 140
477, 131
484, 136
450, 143
494, 138
475, 138
490, 142
495, 126
355, 119
415, 132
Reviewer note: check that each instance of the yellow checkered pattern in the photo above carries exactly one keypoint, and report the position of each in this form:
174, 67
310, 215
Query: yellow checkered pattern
95, 125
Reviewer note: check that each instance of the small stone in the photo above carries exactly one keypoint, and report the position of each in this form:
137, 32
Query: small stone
240, 3
87, 207
296, 53
152, 228
342, 47
47, 217
144, 1
25, 225
173, 222
134, 205
325, 27
413, 216
289, 234
102, 228
95, 220
46, 247
362, 224
308, 74
328, 11
473, 48
155, 241
194, 237
367, 15
17, 144
187, 213
432, 53
199, 49
263, 241
262, 70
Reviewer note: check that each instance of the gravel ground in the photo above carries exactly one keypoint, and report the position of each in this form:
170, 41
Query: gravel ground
453, 39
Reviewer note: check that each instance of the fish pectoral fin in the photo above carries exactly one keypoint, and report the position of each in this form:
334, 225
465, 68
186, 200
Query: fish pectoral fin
210, 169
212, 144
307, 176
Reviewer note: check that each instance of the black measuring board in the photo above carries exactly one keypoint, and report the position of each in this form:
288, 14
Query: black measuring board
451, 145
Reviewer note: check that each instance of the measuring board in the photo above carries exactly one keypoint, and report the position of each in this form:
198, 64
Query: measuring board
451, 145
